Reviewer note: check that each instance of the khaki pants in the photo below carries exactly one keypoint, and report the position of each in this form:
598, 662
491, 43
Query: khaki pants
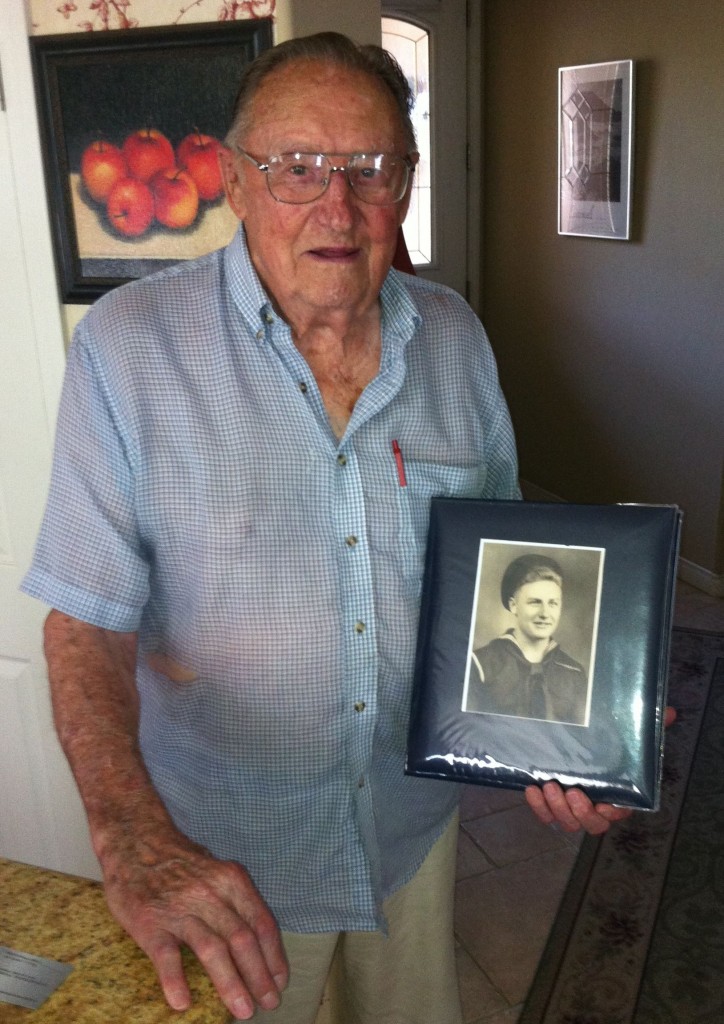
406, 977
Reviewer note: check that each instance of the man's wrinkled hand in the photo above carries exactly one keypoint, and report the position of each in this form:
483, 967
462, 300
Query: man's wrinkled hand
171, 893
572, 809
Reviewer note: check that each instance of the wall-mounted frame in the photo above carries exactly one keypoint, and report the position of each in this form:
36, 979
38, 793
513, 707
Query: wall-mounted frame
595, 149
95, 91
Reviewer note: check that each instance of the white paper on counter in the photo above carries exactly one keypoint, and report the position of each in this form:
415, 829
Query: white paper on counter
27, 980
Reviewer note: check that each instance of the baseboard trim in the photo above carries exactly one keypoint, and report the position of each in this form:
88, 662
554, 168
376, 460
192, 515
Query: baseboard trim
703, 579
532, 492
710, 582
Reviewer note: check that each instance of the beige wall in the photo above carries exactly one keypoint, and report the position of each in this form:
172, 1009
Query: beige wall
360, 21
612, 353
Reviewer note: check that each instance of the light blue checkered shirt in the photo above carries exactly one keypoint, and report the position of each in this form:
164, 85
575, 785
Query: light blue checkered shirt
199, 497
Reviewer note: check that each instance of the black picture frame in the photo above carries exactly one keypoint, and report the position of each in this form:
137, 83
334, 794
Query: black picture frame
106, 85
600, 723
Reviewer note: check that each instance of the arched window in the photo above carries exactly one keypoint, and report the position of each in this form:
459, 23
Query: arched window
410, 45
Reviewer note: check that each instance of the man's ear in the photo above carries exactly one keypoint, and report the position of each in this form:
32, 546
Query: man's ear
512, 606
404, 205
231, 176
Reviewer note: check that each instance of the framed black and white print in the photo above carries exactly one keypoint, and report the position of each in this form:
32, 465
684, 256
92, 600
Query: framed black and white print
595, 149
543, 646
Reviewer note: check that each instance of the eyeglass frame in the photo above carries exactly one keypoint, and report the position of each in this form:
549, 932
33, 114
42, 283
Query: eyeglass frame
407, 160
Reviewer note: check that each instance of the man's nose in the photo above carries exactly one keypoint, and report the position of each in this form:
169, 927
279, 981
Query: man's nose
338, 197
339, 182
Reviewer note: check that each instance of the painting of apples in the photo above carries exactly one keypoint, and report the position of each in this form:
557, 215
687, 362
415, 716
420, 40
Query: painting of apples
146, 181
132, 123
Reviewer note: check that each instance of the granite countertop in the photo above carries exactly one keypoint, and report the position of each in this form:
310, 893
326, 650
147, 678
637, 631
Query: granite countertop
65, 918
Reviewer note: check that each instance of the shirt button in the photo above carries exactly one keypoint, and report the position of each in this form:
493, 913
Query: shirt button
342, 459
351, 540
359, 705
268, 318
302, 387
360, 783
259, 335
359, 627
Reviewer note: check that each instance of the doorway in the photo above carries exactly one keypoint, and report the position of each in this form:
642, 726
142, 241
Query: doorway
437, 43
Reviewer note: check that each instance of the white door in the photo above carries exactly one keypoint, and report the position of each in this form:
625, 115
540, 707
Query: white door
454, 33
41, 819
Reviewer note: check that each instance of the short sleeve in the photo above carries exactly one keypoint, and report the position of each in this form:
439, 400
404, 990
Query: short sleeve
89, 560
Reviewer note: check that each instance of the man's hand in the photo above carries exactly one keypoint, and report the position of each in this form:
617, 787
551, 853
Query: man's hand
168, 892
572, 809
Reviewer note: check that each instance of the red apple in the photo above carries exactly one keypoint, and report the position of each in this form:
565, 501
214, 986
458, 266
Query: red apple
130, 207
101, 166
198, 154
175, 197
147, 151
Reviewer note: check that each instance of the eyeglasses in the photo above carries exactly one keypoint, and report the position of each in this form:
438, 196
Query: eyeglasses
377, 178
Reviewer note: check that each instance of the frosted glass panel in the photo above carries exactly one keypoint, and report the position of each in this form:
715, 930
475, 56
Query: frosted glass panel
410, 46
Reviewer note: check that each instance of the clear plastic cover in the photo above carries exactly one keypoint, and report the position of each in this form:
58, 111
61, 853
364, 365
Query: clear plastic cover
543, 646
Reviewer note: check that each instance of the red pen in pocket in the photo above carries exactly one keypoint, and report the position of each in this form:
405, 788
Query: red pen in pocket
399, 463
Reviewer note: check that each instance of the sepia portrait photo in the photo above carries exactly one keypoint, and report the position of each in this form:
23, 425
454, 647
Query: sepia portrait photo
531, 651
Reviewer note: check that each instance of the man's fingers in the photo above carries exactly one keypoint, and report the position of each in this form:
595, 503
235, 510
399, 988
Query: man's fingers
251, 908
227, 940
537, 803
271, 945
612, 813
558, 802
251, 963
234, 964
572, 809
229, 978
550, 807
272, 948
585, 814
165, 955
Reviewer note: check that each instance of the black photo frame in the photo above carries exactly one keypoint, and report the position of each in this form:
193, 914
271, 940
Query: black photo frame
599, 724
104, 86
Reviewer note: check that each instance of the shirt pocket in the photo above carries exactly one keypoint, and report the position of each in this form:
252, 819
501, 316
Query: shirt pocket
427, 480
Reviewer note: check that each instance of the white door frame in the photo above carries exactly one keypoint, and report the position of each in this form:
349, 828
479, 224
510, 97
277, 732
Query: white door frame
24, 135
41, 817
429, 13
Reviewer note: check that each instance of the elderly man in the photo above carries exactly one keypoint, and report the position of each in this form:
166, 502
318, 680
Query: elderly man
233, 550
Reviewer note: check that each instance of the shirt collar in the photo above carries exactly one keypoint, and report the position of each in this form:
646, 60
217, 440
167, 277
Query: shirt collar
400, 315
246, 289
509, 635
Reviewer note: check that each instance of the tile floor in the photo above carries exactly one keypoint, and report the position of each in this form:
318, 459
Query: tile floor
511, 875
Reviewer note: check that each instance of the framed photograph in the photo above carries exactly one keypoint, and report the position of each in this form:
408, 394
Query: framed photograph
500, 612
543, 646
595, 149
131, 121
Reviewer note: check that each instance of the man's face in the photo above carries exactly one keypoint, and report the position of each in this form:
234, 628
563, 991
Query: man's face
537, 608
331, 254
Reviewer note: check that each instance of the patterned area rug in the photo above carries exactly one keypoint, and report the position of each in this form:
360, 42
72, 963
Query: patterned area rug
639, 936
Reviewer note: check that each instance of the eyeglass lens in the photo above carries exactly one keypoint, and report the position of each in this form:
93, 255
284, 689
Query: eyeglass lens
377, 178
